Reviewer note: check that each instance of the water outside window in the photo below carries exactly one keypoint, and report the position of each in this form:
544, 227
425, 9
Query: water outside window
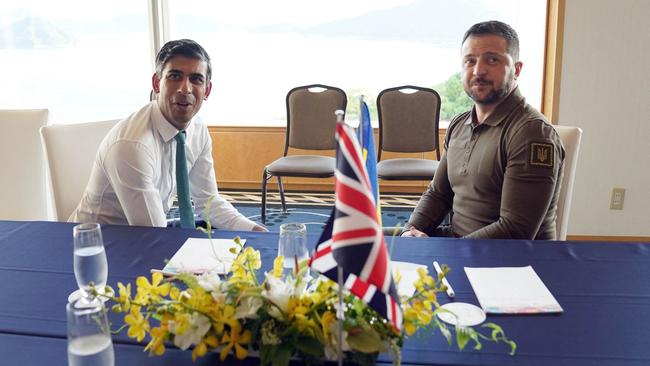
261, 49
89, 61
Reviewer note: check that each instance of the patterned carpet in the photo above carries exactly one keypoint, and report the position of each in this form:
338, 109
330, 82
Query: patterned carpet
313, 208
392, 200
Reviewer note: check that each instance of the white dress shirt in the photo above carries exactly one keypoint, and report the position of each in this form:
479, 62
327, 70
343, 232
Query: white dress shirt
133, 179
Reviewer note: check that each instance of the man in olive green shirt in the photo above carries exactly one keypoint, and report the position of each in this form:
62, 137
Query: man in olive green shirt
501, 171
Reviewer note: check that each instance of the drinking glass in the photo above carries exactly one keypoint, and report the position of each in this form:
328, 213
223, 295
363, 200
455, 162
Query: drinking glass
293, 245
89, 337
90, 265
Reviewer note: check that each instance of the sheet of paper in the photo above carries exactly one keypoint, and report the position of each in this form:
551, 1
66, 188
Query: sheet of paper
199, 255
409, 273
511, 290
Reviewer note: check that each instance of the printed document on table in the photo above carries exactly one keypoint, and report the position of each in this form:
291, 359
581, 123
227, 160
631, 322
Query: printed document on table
198, 255
511, 290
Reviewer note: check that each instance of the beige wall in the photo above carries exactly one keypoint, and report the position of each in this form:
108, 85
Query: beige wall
605, 90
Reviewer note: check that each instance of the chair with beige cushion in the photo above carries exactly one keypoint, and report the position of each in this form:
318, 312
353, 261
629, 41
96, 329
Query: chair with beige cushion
71, 151
570, 137
409, 119
311, 124
23, 193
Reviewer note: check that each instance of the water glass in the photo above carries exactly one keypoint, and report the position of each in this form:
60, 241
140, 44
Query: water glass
89, 337
293, 245
90, 265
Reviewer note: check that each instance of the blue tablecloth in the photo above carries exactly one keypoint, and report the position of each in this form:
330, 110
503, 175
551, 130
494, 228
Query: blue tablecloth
604, 289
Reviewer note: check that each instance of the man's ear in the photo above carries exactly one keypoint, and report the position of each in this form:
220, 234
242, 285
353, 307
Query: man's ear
208, 89
518, 66
155, 83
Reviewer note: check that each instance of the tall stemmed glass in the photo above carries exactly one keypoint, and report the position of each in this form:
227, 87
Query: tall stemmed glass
89, 337
90, 265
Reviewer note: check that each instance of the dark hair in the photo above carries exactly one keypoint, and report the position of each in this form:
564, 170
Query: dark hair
496, 28
182, 47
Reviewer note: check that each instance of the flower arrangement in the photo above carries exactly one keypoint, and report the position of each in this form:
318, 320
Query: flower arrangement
283, 316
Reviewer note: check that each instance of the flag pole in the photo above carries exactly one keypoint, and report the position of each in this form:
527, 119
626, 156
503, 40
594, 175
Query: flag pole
340, 313
360, 133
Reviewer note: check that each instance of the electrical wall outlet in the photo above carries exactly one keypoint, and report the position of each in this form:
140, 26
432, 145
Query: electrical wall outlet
618, 196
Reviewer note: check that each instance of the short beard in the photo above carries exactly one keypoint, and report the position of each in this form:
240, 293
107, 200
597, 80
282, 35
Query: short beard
494, 97
497, 95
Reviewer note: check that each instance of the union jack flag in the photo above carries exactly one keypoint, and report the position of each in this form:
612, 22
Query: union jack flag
353, 238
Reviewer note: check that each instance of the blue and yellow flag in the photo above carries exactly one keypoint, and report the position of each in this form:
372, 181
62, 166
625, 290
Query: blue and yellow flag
366, 139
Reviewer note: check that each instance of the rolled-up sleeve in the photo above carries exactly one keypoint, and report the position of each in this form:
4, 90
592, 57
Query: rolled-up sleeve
130, 168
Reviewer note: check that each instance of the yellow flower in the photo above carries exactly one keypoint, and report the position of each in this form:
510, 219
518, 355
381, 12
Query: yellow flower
235, 339
151, 291
124, 299
326, 322
225, 315
157, 344
253, 257
138, 325
278, 266
202, 348
410, 321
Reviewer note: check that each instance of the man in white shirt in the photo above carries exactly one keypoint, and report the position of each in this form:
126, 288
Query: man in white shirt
133, 178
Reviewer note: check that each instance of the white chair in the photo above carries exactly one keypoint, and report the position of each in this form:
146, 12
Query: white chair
71, 151
570, 137
22, 196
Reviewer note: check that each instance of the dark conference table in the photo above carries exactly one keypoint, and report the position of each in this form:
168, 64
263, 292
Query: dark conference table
604, 289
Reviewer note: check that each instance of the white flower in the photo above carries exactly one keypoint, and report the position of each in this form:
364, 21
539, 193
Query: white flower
198, 326
278, 292
247, 307
210, 282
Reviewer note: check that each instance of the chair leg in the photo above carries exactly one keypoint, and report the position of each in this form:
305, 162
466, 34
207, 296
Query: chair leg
264, 180
284, 204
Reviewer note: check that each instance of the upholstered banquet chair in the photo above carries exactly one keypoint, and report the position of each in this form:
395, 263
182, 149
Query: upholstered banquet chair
311, 124
570, 137
409, 119
23, 193
70, 151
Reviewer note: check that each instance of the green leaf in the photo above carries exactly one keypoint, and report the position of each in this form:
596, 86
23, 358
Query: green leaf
309, 346
497, 331
462, 337
513, 347
282, 356
367, 341
267, 354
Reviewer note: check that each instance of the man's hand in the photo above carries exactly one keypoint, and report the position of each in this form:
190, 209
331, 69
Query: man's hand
415, 233
260, 228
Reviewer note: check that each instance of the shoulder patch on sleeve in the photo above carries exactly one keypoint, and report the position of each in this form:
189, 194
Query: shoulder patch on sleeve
542, 154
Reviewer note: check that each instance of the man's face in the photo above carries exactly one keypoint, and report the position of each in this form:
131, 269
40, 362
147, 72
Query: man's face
489, 73
181, 89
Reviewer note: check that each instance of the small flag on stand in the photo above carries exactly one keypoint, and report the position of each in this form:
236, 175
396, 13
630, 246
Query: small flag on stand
353, 237
366, 138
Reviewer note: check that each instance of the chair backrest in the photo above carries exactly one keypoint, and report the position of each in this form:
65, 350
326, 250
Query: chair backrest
570, 137
23, 183
71, 151
311, 122
409, 117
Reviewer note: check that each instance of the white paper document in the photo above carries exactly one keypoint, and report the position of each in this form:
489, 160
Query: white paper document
198, 255
511, 290
409, 274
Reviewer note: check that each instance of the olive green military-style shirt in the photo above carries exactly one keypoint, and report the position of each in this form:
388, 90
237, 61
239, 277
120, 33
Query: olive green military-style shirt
501, 178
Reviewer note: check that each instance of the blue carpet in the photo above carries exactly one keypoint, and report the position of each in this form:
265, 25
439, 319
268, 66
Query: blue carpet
313, 217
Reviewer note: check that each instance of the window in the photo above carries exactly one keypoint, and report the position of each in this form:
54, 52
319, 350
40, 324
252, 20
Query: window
83, 60
89, 61
261, 49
